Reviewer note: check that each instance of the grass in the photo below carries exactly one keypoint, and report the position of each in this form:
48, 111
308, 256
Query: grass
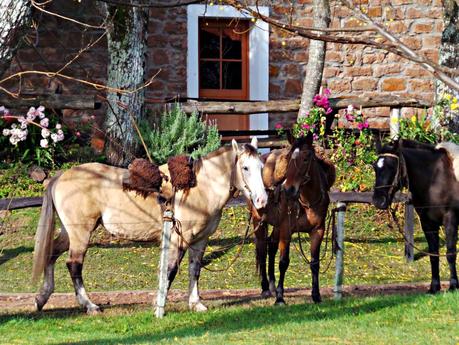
373, 255
413, 319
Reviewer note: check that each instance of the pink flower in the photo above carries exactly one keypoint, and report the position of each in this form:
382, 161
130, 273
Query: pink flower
305, 126
44, 143
329, 111
278, 126
44, 122
349, 117
327, 92
362, 125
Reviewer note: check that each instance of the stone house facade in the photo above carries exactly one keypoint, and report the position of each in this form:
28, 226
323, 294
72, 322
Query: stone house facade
277, 60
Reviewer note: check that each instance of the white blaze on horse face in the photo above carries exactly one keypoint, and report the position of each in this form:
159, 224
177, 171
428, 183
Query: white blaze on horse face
295, 153
380, 163
253, 187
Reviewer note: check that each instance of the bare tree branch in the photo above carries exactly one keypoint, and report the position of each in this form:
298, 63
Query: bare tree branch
152, 4
393, 46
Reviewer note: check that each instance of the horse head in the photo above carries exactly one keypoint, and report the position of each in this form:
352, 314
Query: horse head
390, 174
301, 156
247, 177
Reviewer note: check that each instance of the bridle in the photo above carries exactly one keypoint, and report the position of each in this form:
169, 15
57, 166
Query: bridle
234, 191
306, 180
397, 181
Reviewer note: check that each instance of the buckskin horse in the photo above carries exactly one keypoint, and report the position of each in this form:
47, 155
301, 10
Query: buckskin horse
431, 174
92, 194
298, 202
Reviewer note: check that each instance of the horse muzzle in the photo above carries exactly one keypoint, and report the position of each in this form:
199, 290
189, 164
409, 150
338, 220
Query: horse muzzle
291, 192
380, 201
260, 201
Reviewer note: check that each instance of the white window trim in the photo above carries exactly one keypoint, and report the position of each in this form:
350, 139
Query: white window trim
258, 55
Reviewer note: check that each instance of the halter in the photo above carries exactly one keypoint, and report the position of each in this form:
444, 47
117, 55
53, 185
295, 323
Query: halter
234, 191
306, 180
397, 178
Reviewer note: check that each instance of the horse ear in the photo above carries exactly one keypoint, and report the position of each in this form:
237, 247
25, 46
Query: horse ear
309, 139
378, 145
235, 146
254, 142
290, 137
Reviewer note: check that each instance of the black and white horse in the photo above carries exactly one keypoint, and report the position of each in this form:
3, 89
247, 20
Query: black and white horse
431, 173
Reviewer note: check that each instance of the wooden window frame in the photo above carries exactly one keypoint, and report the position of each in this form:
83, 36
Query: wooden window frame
234, 94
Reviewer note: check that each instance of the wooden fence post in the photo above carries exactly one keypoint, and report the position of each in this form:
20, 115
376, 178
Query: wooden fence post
409, 232
339, 273
394, 124
161, 294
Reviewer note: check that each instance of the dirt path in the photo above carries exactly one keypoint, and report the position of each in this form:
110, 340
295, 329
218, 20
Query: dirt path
14, 302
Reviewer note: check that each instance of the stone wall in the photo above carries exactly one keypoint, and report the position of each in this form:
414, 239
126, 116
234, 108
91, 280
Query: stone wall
351, 70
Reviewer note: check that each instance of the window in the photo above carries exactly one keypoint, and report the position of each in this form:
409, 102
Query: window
223, 58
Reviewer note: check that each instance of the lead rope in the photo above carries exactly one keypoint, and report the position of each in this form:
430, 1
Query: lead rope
393, 219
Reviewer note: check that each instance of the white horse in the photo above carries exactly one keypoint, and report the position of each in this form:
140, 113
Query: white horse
92, 194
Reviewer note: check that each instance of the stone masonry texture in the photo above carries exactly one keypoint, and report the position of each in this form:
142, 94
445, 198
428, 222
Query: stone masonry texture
351, 70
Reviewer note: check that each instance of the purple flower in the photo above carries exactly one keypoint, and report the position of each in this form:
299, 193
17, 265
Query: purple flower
327, 92
315, 137
329, 111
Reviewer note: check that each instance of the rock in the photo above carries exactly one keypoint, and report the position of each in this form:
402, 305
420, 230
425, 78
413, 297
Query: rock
37, 174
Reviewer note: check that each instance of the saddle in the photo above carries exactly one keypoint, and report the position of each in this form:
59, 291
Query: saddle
275, 167
144, 178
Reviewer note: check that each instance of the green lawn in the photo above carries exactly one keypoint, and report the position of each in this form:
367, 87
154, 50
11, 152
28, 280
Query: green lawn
373, 255
413, 319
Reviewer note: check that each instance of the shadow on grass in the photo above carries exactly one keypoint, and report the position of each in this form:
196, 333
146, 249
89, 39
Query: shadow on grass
229, 321
9, 254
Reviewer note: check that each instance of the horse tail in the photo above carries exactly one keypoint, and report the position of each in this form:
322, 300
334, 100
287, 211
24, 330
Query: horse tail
45, 232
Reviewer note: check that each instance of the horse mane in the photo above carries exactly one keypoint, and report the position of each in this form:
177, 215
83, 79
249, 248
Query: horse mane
327, 166
144, 177
412, 144
181, 172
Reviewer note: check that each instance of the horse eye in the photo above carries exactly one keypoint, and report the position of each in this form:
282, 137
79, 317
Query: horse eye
245, 168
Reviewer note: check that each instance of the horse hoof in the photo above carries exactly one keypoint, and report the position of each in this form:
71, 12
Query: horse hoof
279, 302
433, 291
266, 294
39, 303
199, 307
316, 299
93, 310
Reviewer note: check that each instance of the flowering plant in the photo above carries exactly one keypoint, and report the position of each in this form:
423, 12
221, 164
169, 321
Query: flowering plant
353, 152
315, 120
32, 134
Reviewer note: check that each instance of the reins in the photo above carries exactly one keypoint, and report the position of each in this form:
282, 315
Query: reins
393, 219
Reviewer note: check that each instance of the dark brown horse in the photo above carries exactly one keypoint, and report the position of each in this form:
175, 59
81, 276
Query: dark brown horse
298, 204
429, 174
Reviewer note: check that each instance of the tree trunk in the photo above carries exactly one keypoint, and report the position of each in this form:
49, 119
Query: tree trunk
449, 52
126, 68
316, 60
14, 15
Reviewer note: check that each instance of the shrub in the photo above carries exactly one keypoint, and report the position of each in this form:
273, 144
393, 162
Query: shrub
177, 133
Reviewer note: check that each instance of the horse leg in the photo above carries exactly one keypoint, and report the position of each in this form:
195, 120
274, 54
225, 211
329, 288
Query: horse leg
450, 223
284, 261
261, 252
431, 234
60, 245
273, 244
176, 254
79, 241
195, 254
316, 237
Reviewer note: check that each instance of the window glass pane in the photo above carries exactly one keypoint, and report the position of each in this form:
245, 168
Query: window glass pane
231, 44
209, 42
209, 74
232, 75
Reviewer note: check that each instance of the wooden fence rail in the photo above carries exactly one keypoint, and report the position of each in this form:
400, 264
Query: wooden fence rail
342, 199
287, 106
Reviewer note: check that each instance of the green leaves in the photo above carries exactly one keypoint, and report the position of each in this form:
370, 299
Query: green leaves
177, 133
